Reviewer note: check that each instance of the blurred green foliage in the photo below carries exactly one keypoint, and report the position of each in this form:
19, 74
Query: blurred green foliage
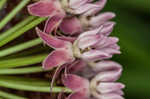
133, 30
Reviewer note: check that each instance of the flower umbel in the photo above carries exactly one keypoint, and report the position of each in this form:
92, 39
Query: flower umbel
81, 40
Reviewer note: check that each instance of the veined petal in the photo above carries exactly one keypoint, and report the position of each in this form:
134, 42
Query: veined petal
77, 3
94, 55
110, 96
107, 28
88, 41
91, 32
79, 95
107, 87
108, 76
52, 41
84, 8
78, 65
43, 8
71, 26
57, 58
106, 66
101, 18
53, 23
94, 10
75, 83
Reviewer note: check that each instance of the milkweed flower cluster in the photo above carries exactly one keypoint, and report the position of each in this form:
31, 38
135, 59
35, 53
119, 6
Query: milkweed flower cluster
82, 45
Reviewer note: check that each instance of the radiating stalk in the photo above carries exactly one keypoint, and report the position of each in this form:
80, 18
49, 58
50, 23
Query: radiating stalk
2, 3
22, 30
24, 61
10, 96
13, 13
20, 47
27, 70
28, 87
25, 80
16, 27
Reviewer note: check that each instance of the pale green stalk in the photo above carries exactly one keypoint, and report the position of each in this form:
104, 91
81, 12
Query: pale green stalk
20, 47
2, 3
10, 96
21, 31
13, 13
27, 70
28, 87
16, 27
24, 61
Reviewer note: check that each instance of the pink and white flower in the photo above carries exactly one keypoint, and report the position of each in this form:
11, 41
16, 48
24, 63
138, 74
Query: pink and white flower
102, 86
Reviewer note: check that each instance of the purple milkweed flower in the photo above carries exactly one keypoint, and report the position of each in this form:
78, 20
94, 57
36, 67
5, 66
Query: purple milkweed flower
62, 54
95, 45
54, 10
102, 86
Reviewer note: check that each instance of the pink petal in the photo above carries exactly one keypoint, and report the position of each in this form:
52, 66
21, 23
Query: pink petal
74, 82
43, 8
57, 58
84, 8
53, 23
105, 87
78, 65
91, 32
79, 95
110, 96
77, 3
101, 18
52, 41
71, 26
94, 55
88, 41
106, 66
67, 38
108, 76
107, 28
94, 10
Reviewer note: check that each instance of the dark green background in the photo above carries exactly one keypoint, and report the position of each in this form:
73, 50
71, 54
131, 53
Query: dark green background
133, 29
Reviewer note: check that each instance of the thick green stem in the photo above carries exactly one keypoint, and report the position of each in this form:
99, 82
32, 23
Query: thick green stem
19, 62
2, 3
13, 13
27, 70
10, 96
22, 30
16, 27
20, 47
29, 87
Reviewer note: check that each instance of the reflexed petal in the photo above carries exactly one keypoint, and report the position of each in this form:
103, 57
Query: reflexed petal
88, 41
43, 8
84, 8
57, 58
52, 41
91, 32
74, 82
106, 66
71, 26
77, 3
78, 65
101, 18
94, 10
111, 51
108, 76
79, 95
53, 23
105, 87
67, 38
107, 28
110, 96
94, 55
